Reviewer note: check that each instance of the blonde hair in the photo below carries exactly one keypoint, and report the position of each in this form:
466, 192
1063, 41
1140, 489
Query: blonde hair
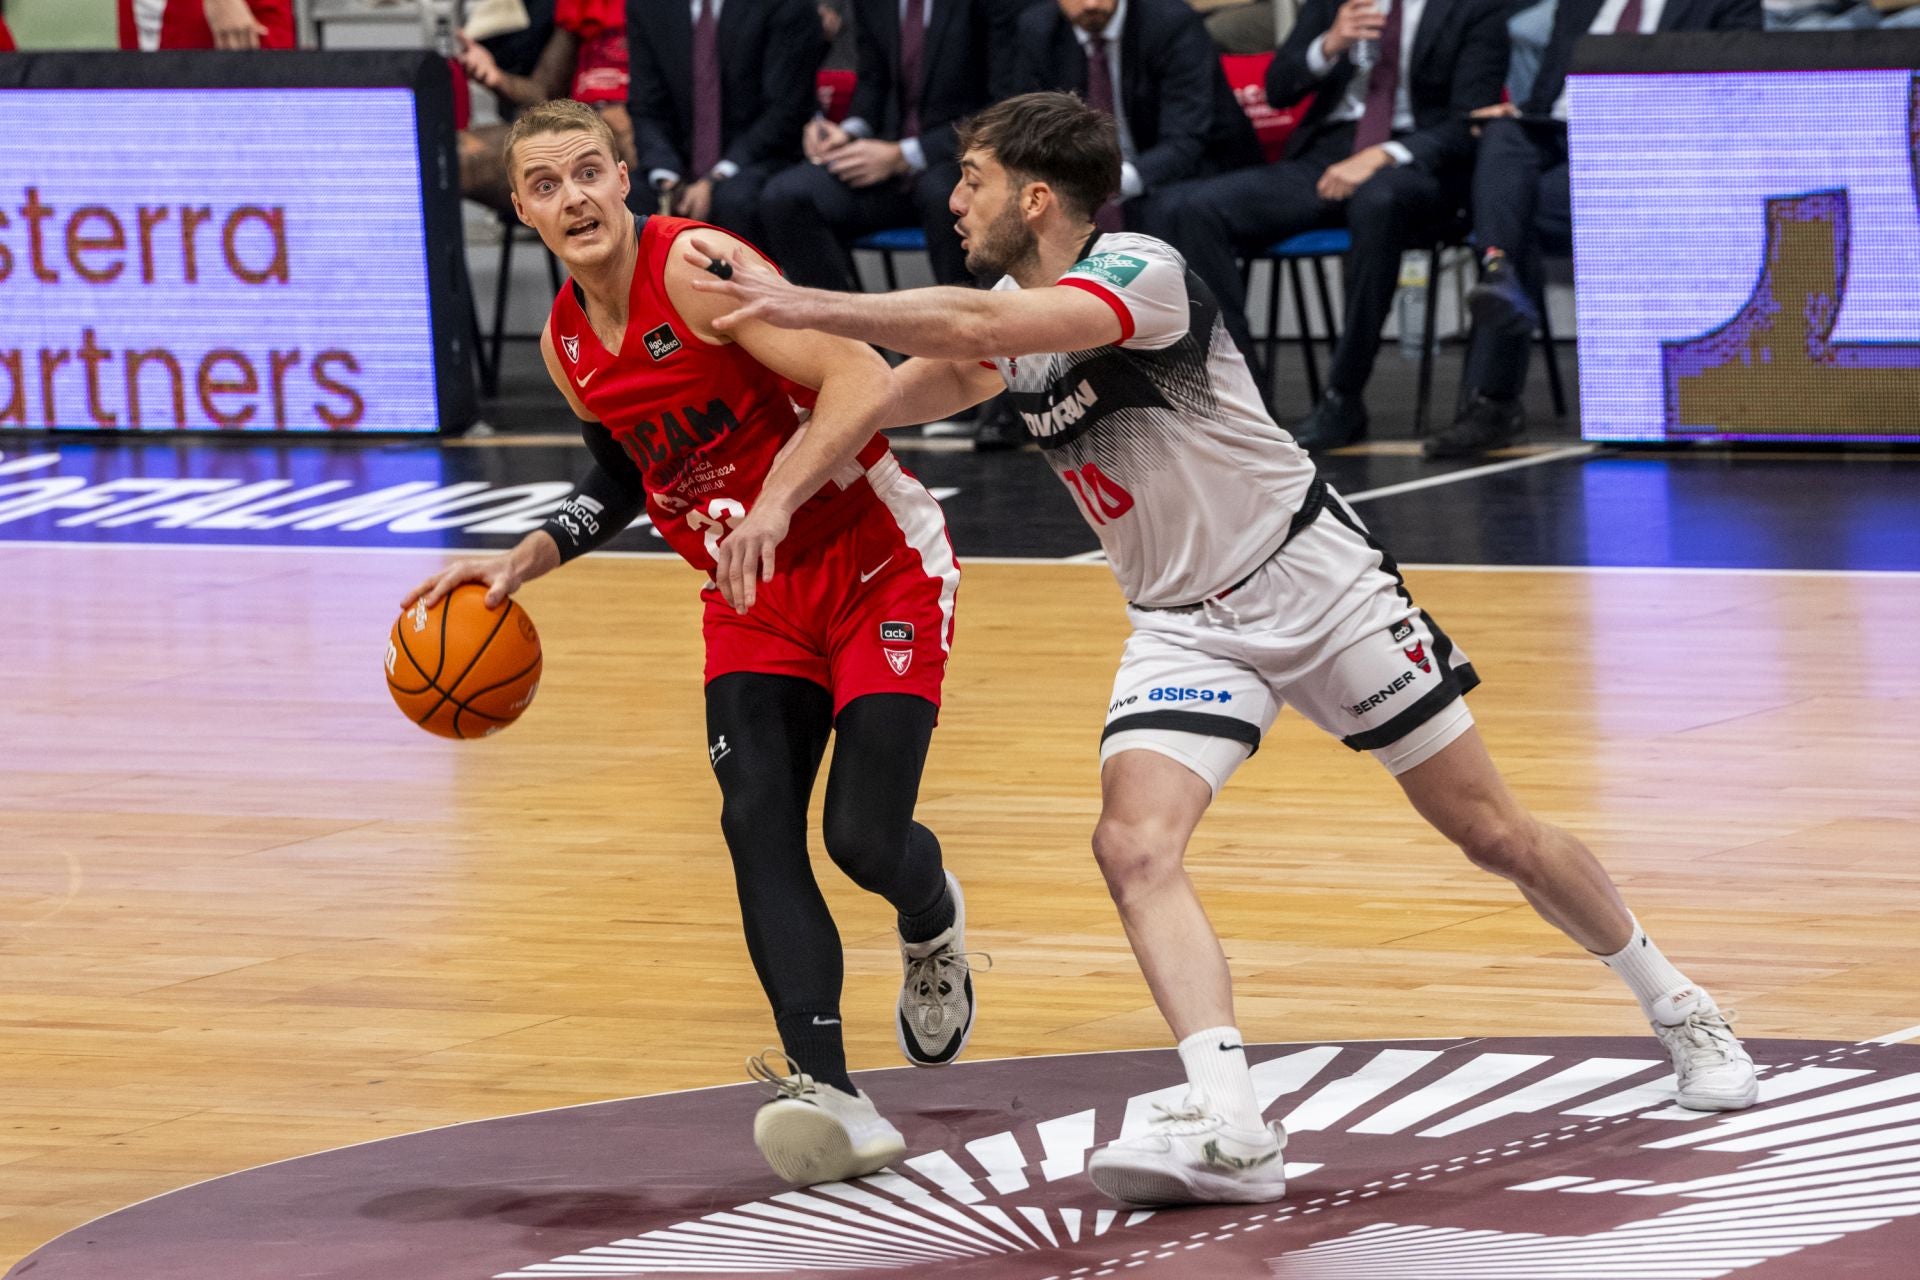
559, 115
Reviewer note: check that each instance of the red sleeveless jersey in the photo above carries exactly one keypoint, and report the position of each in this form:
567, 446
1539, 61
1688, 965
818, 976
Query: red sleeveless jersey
704, 422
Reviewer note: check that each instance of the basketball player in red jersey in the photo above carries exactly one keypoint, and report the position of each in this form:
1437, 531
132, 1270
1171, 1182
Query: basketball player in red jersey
829, 609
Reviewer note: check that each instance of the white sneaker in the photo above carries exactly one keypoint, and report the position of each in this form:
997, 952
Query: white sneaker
1715, 1073
936, 991
811, 1132
1192, 1156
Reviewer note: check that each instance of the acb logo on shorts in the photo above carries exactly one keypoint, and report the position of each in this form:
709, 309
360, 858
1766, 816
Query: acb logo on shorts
897, 632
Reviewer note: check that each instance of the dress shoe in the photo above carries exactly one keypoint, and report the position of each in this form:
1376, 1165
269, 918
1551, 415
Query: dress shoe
1483, 425
1334, 422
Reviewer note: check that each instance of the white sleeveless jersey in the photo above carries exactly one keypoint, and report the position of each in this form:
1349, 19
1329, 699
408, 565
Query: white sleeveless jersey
1161, 438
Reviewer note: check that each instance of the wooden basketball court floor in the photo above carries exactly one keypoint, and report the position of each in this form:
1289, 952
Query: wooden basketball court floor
247, 912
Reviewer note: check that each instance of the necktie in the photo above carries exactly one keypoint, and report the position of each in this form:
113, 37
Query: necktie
1376, 122
1629, 24
913, 40
1099, 75
1100, 98
706, 91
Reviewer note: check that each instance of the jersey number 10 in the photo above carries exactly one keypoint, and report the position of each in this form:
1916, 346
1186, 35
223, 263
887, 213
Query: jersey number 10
1103, 499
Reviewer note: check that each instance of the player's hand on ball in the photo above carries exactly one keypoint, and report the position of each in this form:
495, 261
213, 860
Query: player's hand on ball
757, 292
500, 575
745, 558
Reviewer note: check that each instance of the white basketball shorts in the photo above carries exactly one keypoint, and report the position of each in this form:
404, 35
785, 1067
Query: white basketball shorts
1326, 625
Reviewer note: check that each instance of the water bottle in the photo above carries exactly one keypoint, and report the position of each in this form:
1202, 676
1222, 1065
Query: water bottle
1364, 55
1410, 305
439, 19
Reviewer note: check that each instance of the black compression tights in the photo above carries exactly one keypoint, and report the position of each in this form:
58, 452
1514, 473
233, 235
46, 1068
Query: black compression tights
767, 734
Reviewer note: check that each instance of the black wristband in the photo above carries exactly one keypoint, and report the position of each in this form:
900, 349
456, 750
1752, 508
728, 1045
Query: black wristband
603, 504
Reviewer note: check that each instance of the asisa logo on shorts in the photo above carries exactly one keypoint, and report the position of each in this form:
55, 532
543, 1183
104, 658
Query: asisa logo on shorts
662, 342
897, 632
1189, 695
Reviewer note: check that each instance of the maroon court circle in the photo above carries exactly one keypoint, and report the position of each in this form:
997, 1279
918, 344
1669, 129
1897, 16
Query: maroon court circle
1473, 1159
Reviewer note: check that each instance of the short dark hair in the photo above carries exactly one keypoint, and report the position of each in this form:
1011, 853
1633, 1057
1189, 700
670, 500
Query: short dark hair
1053, 138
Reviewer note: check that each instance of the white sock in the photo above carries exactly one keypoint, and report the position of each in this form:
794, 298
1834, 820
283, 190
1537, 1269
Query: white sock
1664, 993
1216, 1064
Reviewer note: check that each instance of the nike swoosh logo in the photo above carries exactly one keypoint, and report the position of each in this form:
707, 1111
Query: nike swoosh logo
877, 568
1229, 1048
819, 1021
588, 376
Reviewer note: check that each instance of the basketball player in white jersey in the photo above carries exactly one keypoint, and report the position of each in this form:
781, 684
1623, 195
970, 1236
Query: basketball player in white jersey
1252, 585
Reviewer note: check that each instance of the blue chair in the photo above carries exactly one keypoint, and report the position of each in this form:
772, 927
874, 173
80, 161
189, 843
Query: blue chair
889, 242
1314, 248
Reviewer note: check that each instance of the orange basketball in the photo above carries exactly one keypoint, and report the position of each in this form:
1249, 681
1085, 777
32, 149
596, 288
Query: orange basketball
460, 669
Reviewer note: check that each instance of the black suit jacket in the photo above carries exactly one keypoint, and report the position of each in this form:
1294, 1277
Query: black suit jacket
1573, 17
965, 65
769, 52
1459, 63
1183, 116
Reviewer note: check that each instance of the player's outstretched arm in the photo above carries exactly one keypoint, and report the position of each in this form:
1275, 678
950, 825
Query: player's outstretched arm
935, 390
856, 393
603, 504
940, 323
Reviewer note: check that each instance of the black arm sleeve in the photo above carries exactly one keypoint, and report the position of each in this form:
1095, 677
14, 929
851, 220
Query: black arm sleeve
603, 504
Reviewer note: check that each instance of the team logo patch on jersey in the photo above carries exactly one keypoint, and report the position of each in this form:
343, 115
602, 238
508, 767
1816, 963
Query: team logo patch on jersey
1417, 655
897, 632
662, 342
1401, 632
899, 660
1116, 269
572, 347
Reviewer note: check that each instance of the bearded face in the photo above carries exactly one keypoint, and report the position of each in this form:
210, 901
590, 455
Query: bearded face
1006, 242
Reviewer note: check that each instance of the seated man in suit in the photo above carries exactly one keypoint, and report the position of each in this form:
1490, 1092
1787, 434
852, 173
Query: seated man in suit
923, 66
1151, 66
1522, 204
720, 90
1384, 148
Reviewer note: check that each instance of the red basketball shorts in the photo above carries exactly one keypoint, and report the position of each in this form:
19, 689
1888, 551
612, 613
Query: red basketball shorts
870, 610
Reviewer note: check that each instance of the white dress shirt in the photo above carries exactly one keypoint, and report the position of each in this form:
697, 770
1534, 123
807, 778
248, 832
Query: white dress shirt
1607, 23
1131, 184
1354, 104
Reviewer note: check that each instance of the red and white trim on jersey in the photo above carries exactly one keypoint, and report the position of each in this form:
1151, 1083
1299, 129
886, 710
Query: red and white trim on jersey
924, 526
1107, 296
